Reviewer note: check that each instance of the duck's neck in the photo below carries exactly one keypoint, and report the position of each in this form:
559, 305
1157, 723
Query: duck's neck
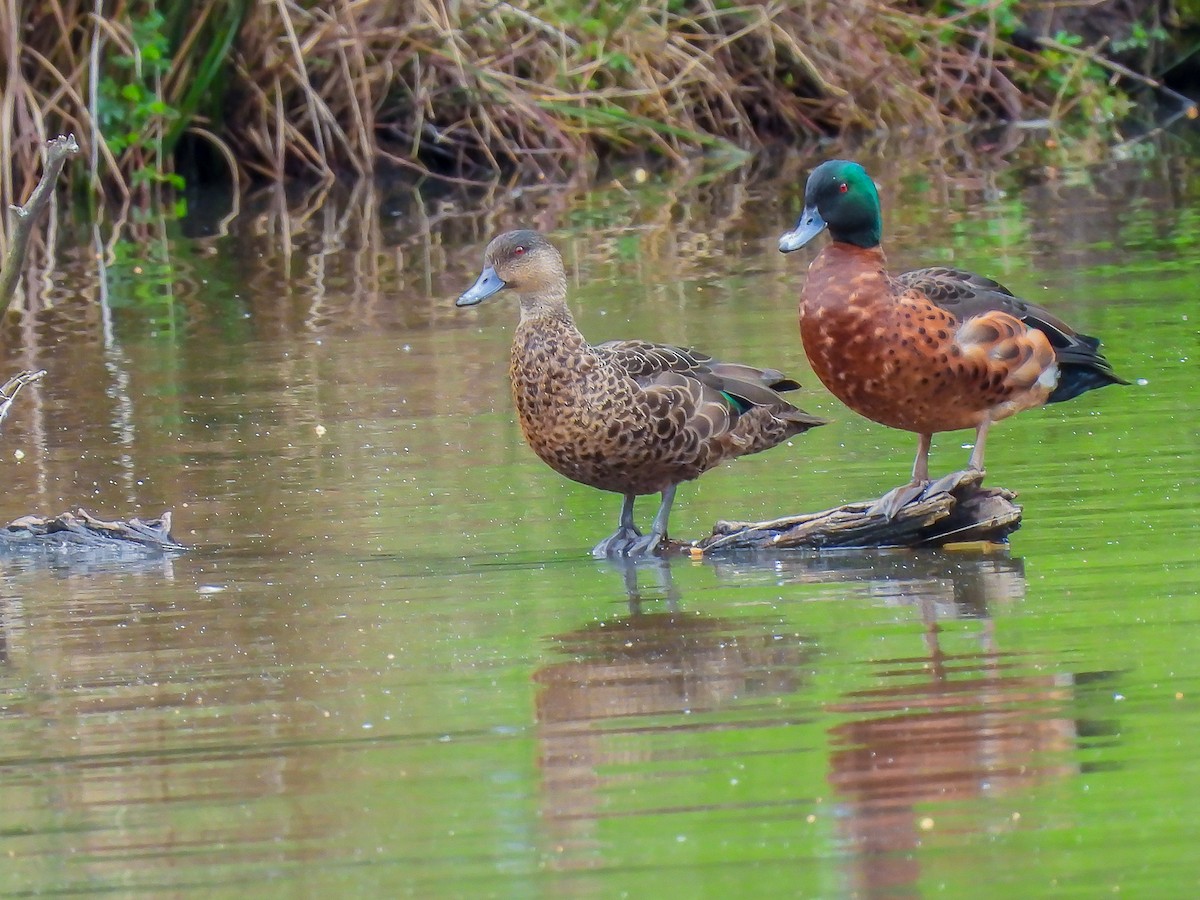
548, 307
846, 275
847, 253
546, 363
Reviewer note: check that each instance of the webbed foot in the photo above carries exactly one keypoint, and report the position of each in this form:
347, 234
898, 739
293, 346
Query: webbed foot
647, 545
896, 499
890, 504
617, 543
629, 544
948, 484
627, 541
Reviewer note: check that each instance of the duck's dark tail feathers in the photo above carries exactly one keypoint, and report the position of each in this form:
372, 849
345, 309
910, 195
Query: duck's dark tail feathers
803, 421
747, 387
1082, 368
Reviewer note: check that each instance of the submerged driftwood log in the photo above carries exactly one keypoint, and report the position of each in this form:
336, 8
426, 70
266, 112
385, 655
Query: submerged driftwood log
953, 509
80, 531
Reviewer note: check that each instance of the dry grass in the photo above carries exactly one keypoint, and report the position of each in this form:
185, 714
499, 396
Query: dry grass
471, 87
543, 84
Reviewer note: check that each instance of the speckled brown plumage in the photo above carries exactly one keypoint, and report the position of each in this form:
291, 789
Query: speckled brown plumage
632, 417
888, 352
930, 350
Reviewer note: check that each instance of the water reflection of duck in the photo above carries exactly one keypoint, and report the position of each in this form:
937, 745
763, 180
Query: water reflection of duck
930, 350
648, 670
941, 728
650, 662
936, 727
931, 731
630, 417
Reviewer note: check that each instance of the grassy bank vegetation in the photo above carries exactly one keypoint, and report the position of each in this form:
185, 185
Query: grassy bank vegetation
276, 88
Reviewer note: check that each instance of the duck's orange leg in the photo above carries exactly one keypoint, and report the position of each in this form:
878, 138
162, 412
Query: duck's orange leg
976, 461
947, 483
921, 463
894, 500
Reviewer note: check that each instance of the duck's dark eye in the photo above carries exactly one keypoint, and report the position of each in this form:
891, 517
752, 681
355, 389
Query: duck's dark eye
519, 251
843, 187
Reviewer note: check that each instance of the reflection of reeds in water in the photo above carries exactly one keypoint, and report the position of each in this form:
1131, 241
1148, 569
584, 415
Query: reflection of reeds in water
360, 255
296, 261
146, 743
631, 679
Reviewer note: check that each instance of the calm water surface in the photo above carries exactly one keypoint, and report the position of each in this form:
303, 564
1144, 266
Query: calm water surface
388, 666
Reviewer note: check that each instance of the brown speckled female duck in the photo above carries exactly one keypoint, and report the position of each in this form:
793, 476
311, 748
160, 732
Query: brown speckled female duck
929, 350
630, 417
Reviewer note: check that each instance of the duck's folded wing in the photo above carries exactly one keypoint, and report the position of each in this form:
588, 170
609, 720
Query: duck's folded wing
644, 360
646, 363
940, 283
966, 295
747, 417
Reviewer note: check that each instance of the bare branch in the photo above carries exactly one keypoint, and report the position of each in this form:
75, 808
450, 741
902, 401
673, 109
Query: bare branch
8, 393
23, 218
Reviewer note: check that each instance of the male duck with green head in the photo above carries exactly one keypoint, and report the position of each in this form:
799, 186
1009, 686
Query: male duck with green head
929, 350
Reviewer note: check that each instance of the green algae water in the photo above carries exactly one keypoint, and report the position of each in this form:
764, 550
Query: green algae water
389, 668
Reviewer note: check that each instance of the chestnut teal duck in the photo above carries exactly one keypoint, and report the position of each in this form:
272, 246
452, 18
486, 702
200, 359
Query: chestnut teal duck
929, 350
631, 417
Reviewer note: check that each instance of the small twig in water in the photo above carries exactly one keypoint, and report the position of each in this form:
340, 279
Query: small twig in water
8, 393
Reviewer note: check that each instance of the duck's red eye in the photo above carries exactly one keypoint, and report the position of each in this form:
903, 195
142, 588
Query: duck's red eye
843, 187
519, 251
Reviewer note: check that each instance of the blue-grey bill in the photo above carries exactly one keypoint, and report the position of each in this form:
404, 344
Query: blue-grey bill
808, 227
485, 285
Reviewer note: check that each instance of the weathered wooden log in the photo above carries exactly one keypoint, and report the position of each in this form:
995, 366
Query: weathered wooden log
953, 509
81, 532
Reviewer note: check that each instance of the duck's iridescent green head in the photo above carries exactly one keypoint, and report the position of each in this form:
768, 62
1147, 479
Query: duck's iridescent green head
840, 196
